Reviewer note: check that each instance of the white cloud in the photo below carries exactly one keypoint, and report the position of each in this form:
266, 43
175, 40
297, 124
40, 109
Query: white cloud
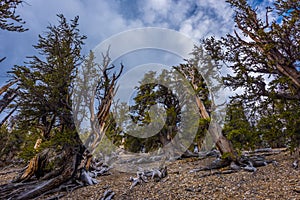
196, 19
102, 19
98, 19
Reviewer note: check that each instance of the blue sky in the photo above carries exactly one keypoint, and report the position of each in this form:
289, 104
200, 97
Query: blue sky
100, 19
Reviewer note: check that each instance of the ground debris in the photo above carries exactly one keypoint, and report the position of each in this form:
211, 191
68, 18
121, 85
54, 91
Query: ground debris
143, 176
108, 195
218, 173
295, 164
193, 189
273, 181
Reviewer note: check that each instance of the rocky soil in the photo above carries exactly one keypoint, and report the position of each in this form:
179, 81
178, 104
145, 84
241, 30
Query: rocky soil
278, 180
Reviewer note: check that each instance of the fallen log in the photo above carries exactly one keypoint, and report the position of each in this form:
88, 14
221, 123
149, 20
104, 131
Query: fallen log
230, 171
264, 152
249, 164
10, 171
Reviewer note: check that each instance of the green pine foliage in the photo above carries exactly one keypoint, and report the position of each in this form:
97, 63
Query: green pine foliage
11, 144
165, 96
279, 124
45, 87
150, 93
263, 56
9, 20
238, 129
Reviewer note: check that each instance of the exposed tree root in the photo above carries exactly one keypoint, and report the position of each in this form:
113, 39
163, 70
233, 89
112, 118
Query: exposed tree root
248, 162
51, 171
108, 195
10, 171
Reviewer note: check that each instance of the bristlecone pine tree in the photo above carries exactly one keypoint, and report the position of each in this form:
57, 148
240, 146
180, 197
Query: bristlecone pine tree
150, 94
194, 73
264, 54
44, 105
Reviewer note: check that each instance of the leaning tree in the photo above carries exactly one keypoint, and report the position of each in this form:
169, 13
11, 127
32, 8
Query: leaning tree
263, 55
205, 80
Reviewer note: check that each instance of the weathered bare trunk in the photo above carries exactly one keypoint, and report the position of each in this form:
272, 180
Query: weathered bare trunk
202, 110
103, 115
8, 85
225, 147
51, 167
215, 130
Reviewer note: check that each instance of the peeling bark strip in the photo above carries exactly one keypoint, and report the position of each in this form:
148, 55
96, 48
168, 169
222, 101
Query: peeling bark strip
31, 169
5, 87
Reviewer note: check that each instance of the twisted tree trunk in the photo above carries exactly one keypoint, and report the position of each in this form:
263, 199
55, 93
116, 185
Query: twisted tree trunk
48, 170
66, 165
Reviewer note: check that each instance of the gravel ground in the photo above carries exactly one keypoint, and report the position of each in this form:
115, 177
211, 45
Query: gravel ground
268, 182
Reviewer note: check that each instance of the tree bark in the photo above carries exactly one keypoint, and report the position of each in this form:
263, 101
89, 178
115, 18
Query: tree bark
215, 130
225, 147
48, 170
